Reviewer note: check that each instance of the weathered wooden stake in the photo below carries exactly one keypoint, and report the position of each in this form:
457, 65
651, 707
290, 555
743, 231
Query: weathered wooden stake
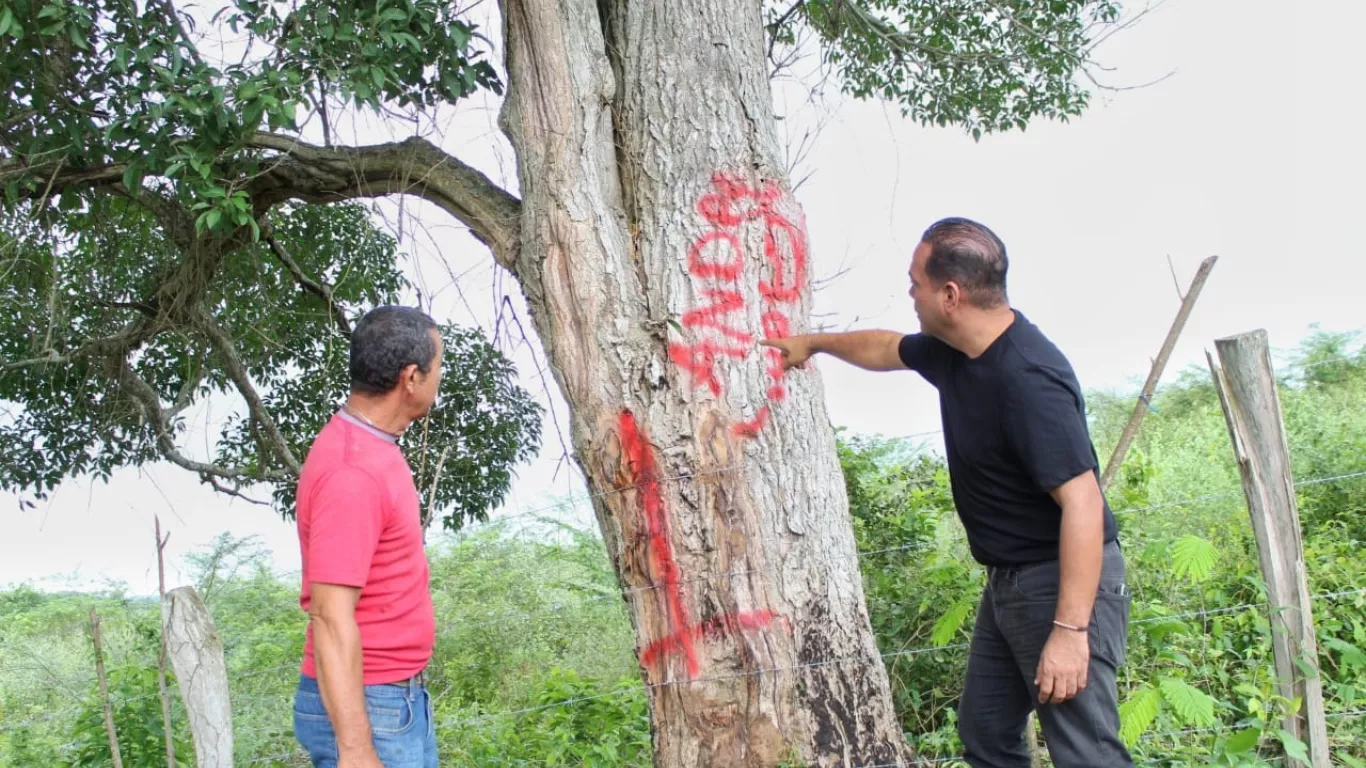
196, 654
1247, 390
104, 689
161, 654
1126, 438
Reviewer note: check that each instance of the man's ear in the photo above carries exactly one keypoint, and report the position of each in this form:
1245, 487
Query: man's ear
408, 378
953, 295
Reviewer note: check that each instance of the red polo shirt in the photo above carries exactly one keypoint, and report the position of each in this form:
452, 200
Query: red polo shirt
360, 526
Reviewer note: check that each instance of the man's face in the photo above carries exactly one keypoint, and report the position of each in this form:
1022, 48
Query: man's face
427, 385
926, 298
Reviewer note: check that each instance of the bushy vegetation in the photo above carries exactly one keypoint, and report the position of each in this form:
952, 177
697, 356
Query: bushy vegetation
530, 617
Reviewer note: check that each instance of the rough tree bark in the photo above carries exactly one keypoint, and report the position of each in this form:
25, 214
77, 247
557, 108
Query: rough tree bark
658, 242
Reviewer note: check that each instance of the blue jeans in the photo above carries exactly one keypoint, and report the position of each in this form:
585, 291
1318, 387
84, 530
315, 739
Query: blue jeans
400, 722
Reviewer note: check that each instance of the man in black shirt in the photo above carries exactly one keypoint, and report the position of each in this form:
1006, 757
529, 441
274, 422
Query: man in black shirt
1051, 629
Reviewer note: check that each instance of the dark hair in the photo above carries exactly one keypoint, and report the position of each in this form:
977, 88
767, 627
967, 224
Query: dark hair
970, 255
384, 342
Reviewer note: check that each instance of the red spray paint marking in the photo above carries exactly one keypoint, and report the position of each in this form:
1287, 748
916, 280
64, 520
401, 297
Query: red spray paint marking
727, 207
751, 429
645, 476
713, 627
723, 303
778, 291
684, 634
722, 270
699, 359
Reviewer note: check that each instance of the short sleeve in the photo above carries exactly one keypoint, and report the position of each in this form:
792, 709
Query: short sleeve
1046, 425
344, 528
924, 354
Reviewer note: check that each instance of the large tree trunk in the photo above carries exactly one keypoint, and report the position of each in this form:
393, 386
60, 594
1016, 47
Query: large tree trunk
659, 241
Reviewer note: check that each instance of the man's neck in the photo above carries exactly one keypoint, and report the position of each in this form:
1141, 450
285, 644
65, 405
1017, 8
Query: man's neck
976, 336
383, 413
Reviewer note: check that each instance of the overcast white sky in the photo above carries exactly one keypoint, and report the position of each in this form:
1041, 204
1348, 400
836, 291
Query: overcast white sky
1251, 151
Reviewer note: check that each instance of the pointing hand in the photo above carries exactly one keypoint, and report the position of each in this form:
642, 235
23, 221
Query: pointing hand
796, 350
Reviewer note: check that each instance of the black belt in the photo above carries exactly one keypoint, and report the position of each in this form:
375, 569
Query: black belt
416, 681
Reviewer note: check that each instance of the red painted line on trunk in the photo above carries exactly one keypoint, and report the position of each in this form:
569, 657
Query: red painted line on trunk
713, 628
683, 633
645, 476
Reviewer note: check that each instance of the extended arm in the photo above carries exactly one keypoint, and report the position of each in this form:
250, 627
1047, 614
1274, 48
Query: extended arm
871, 350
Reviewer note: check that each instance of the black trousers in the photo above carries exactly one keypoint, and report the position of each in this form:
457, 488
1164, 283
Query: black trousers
1014, 621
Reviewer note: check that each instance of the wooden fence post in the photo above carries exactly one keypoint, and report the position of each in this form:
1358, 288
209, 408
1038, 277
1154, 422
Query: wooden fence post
161, 653
96, 638
1246, 385
196, 654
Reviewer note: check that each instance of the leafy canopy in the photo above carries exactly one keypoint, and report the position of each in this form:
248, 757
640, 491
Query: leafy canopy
984, 65
114, 402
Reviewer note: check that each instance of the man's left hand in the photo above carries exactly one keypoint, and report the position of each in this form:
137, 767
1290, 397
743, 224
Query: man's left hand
1063, 665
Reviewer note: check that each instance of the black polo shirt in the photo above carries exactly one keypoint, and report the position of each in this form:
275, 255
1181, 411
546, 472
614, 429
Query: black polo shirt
1014, 429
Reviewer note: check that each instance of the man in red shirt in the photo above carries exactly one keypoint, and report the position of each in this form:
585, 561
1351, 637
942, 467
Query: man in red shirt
362, 701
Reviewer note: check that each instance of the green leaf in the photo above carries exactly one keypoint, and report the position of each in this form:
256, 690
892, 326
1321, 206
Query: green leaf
1159, 629
1194, 557
6, 20
1351, 762
1137, 713
1242, 741
132, 175
212, 218
949, 623
1352, 656
1193, 705
1293, 747
77, 37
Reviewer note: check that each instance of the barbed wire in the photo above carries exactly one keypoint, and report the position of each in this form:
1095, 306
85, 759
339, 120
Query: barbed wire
832, 662
726, 575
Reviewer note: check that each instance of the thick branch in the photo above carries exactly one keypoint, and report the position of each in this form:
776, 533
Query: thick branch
232, 362
150, 404
132, 336
320, 290
414, 167
65, 179
317, 174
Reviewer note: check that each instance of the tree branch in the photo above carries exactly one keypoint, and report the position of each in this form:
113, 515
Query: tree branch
225, 490
315, 174
66, 179
232, 362
150, 404
414, 166
132, 335
320, 290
